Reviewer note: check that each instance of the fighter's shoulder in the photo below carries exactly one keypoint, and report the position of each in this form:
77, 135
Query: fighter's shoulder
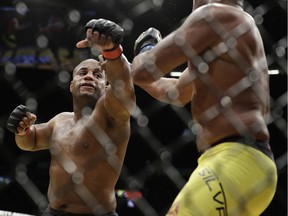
62, 116
217, 10
222, 15
65, 115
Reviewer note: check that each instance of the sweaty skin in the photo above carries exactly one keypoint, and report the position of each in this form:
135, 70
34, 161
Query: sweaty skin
87, 145
225, 101
226, 82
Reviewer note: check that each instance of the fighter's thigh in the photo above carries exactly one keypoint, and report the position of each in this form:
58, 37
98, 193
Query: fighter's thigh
239, 181
203, 194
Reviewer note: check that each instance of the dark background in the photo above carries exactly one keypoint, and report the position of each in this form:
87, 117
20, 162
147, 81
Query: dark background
161, 155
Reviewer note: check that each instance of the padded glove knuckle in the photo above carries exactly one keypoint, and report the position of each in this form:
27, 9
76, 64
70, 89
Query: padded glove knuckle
107, 27
15, 117
89, 25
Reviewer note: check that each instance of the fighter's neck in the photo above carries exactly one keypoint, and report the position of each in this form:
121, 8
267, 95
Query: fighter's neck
81, 110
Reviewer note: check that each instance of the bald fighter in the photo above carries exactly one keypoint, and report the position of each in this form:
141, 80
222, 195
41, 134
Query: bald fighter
87, 145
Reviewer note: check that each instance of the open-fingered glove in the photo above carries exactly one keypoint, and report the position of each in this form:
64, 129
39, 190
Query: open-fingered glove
15, 117
147, 40
108, 28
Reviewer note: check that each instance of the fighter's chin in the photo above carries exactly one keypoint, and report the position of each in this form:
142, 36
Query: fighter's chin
87, 94
87, 91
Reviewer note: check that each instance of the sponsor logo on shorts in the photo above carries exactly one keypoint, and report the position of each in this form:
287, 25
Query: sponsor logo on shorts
217, 192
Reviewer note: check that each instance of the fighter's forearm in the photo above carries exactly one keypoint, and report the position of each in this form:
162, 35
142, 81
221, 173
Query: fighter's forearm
140, 75
164, 90
118, 73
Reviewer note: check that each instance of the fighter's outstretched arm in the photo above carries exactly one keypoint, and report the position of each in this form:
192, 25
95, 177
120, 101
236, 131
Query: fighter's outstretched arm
107, 36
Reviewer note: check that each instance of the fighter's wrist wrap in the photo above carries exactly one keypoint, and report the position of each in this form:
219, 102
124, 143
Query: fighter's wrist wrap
146, 48
113, 54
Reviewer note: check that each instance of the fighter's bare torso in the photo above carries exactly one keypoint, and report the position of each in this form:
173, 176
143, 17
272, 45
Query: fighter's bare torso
85, 163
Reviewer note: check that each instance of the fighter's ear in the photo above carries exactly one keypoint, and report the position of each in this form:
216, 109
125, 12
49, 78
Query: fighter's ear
71, 86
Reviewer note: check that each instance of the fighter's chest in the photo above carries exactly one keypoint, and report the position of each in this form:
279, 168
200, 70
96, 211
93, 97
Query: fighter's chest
73, 139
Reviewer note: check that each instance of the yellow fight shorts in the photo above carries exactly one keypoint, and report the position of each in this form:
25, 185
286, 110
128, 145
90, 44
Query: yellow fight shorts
231, 179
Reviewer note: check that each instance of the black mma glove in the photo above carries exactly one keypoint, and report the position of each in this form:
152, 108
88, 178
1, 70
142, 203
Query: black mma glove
147, 40
15, 117
108, 28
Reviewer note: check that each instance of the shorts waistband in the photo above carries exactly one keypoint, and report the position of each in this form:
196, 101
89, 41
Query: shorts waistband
260, 145
64, 213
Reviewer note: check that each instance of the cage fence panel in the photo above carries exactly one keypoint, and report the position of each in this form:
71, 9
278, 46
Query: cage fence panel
36, 64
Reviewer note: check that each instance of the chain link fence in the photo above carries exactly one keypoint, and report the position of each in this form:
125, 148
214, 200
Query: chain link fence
161, 153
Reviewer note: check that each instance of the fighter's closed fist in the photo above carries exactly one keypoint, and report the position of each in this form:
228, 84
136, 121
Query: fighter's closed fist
20, 119
108, 28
